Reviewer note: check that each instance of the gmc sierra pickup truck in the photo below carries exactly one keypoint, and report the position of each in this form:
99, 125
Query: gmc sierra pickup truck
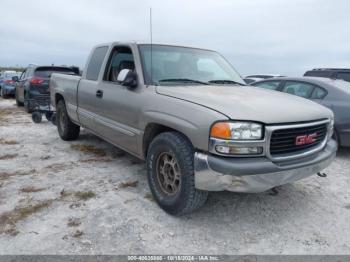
189, 114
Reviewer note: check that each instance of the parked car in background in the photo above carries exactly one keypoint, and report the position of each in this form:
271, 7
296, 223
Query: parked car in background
254, 78
333, 73
190, 115
34, 83
334, 94
7, 83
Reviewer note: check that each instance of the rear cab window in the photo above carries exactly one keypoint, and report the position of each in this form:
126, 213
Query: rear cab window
95, 63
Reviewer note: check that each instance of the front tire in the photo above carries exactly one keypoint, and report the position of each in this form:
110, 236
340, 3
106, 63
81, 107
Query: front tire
66, 128
170, 171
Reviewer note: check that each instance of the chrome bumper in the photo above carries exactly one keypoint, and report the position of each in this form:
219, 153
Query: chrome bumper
253, 175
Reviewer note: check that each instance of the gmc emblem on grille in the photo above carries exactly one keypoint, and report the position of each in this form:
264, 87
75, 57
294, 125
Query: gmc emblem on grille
305, 139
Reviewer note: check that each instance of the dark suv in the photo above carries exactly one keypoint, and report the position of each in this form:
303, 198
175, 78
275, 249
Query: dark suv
34, 83
333, 73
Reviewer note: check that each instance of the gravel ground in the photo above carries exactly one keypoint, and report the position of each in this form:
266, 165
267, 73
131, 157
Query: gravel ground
88, 197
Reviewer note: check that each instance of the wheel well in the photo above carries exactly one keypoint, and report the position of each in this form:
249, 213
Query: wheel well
58, 97
151, 131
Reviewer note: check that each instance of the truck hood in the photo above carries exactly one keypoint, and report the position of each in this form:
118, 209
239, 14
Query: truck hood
249, 103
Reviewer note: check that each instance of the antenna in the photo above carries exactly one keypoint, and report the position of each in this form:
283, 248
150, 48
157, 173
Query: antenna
151, 35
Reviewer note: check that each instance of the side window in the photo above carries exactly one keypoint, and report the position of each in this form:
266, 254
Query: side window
272, 85
318, 93
344, 76
95, 63
298, 88
121, 58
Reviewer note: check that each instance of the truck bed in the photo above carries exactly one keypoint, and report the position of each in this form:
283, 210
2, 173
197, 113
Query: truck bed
67, 86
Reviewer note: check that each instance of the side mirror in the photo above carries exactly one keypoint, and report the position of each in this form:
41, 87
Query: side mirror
15, 79
127, 78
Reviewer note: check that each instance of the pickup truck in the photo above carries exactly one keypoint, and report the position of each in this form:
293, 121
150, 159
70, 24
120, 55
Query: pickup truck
190, 116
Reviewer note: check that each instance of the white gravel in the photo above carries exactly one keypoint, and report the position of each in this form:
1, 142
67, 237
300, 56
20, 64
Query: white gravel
311, 216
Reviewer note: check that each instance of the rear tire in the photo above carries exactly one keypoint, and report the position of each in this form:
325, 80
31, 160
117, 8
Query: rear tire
170, 171
66, 128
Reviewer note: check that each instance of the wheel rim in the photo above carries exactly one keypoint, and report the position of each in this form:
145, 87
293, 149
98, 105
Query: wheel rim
168, 173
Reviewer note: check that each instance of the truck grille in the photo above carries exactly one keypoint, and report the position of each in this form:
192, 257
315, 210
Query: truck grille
283, 141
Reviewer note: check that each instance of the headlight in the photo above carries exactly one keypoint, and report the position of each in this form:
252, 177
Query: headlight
237, 130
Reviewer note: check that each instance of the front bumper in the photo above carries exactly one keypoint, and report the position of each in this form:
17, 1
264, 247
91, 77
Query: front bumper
252, 175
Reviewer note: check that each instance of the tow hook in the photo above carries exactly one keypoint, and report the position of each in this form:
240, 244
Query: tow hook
322, 174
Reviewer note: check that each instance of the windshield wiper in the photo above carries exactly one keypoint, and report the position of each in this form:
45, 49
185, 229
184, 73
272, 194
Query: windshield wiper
225, 81
183, 80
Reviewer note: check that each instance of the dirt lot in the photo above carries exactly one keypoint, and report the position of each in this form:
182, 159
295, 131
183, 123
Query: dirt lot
88, 197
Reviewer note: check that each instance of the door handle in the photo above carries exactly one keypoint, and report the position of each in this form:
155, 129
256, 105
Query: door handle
99, 93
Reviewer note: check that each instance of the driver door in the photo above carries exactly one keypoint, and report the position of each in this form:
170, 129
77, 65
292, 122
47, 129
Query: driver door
119, 105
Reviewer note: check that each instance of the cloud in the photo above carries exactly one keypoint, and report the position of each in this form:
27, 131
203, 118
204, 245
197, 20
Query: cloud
270, 36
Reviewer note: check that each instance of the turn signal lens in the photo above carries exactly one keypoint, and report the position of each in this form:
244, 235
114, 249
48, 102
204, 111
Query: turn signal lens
221, 130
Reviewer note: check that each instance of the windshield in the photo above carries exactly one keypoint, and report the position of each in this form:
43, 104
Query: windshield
178, 65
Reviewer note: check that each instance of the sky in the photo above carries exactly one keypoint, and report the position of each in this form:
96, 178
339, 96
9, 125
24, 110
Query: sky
284, 37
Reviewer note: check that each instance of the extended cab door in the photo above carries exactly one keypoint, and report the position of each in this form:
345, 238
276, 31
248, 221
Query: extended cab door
118, 106
87, 101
